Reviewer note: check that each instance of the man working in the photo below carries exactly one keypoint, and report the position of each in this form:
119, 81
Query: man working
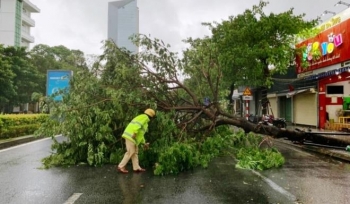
134, 136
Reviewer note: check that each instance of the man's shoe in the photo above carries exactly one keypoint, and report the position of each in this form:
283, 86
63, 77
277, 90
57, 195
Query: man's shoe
122, 170
140, 170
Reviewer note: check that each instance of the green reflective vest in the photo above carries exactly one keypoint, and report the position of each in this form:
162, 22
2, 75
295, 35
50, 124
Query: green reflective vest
138, 126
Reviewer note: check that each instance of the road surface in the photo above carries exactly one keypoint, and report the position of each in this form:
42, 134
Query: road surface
305, 178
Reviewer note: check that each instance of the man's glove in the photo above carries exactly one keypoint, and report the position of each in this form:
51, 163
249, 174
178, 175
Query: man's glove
146, 146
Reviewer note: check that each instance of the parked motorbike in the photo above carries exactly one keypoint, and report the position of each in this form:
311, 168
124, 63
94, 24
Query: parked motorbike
269, 120
277, 122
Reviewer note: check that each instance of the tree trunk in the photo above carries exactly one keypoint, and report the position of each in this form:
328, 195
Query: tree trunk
293, 135
215, 117
264, 100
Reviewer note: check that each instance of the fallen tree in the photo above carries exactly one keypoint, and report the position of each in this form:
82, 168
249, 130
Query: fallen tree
189, 130
192, 114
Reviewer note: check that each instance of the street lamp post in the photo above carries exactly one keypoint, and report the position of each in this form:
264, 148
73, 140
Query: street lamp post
342, 3
326, 12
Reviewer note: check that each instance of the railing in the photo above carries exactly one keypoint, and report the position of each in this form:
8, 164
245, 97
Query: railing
28, 37
338, 126
344, 119
28, 20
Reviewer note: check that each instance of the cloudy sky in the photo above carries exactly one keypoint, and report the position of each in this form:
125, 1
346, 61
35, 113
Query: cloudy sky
82, 24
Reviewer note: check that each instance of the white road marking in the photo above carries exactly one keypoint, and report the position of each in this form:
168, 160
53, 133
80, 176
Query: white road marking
29, 143
73, 198
276, 187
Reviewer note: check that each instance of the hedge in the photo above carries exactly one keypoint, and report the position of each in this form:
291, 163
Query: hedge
16, 125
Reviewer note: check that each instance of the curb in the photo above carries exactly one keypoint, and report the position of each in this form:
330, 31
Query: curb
6, 143
334, 153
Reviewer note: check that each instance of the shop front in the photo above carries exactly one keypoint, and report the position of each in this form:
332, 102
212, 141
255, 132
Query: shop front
297, 107
334, 99
326, 58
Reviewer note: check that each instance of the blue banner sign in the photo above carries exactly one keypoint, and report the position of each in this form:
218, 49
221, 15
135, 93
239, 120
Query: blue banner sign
57, 80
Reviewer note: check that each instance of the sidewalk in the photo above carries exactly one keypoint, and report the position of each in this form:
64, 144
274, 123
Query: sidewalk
334, 153
341, 154
6, 143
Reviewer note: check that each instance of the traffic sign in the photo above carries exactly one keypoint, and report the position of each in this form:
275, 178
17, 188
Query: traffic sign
247, 98
247, 92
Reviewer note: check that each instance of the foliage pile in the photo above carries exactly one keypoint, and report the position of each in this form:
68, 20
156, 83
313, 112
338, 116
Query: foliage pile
250, 155
187, 155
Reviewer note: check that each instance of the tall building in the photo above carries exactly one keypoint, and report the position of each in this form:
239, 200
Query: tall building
123, 22
16, 22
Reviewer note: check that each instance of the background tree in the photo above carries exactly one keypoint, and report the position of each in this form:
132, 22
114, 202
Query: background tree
45, 58
26, 75
254, 45
22, 77
7, 90
23, 73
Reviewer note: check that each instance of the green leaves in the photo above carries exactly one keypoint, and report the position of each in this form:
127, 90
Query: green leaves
251, 42
250, 155
189, 154
95, 111
255, 158
179, 157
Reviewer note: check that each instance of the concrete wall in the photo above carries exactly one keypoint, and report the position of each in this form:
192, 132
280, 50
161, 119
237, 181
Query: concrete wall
7, 22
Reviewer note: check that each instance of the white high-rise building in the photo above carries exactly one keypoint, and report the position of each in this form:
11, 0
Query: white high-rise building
16, 22
123, 22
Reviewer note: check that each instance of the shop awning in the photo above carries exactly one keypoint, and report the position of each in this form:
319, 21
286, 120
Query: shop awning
292, 93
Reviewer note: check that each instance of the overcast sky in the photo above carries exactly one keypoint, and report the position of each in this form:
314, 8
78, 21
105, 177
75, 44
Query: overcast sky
82, 24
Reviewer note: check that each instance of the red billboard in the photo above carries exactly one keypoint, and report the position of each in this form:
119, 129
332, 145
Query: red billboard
329, 47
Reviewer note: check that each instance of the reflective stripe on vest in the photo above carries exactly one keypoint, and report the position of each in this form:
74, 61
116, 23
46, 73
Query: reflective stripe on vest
127, 134
140, 124
129, 137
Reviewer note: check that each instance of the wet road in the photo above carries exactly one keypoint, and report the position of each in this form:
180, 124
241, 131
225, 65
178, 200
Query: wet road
305, 178
312, 178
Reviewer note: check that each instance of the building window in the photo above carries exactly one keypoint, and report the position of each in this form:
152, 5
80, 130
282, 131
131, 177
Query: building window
25, 29
335, 89
25, 12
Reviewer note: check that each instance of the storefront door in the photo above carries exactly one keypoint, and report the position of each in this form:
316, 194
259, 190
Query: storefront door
285, 108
